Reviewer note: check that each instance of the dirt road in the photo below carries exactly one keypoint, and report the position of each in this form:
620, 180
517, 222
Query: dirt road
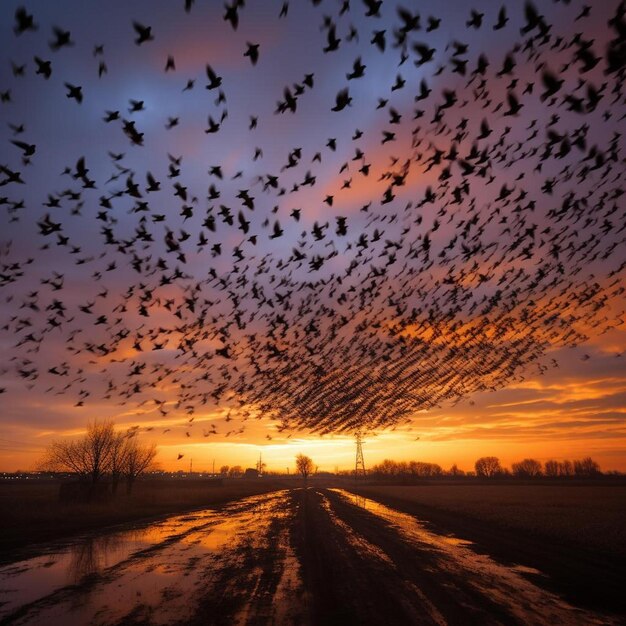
315, 556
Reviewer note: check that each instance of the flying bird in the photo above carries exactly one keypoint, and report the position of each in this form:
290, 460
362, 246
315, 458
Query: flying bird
214, 80
252, 52
144, 33
74, 91
24, 21
342, 100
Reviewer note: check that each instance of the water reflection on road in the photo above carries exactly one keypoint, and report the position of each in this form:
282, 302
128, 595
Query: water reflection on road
238, 565
454, 558
152, 572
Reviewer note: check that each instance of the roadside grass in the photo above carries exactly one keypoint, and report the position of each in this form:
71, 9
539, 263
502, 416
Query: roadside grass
31, 513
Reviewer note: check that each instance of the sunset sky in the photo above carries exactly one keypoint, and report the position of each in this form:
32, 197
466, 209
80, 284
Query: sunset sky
506, 337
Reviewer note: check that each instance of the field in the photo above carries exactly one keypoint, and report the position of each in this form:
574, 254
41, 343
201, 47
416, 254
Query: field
30, 511
573, 533
589, 516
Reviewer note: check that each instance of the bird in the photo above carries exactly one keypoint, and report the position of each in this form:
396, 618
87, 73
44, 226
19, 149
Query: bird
75, 92
514, 104
24, 21
342, 100
425, 52
373, 7
502, 19
332, 40
28, 150
476, 19
378, 39
18, 70
43, 67
551, 83
214, 80
144, 33
358, 70
252, 52
277, 231
433, 24
213, 126
232, 13
62, 38
111, 116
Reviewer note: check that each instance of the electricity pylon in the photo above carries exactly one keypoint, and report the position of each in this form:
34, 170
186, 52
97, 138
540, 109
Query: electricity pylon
359, 467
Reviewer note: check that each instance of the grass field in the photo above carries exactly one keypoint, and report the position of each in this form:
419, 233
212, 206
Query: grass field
592, 516
30, 511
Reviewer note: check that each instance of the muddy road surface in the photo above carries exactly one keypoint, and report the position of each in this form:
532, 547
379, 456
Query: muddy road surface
299, 556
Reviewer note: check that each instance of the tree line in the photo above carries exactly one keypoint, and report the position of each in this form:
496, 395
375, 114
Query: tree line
490, 467
103, 456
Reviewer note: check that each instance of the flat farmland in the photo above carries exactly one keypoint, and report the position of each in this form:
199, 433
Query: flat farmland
574, 534
589, 515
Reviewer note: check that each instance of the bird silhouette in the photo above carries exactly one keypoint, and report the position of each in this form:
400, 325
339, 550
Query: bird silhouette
502, 19
144, 33
24, 21
358, 70
342, 100
62, 38
214, 80
74, 91
27, 149
252, 51
43, 67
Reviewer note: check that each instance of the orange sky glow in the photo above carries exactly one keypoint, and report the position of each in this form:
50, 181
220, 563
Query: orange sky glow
437, 269
574, 410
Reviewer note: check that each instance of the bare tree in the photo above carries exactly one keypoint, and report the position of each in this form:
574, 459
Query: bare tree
304, 465
551, 468
119, 450
224, 470
488, 466
566, 468
90, 457
455, 471
586, 467
137, 459
528, 468
101, 452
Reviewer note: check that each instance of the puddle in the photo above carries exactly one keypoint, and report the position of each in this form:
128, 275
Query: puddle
150, 573
523, 569
358, 542
25, 581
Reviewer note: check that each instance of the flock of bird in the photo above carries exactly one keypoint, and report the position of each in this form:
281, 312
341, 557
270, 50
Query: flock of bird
475, 221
